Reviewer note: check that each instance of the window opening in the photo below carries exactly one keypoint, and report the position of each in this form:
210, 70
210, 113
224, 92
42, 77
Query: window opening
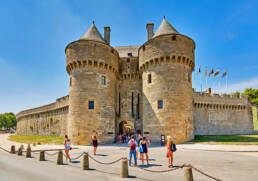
91, 104
103, 80
149, 78
160, 104
132, 105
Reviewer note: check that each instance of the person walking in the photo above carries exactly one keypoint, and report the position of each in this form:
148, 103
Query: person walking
149, 140
143, 149
68, 147
132, 144
95, 143
170, 149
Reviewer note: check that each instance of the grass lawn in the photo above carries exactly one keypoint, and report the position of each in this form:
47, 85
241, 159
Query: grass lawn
227, 139
30, 139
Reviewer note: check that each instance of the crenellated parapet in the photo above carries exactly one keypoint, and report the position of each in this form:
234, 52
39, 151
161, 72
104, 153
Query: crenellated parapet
132, 76
220, 101
88, 53
174, 59
61, 105
90, 64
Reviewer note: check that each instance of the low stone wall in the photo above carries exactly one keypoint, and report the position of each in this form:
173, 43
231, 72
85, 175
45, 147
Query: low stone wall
221, 114
48, 120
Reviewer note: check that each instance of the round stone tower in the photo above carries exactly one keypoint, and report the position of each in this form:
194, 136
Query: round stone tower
166, 61
92, 65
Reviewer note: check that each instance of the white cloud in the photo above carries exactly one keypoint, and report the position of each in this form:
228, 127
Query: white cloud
239, 86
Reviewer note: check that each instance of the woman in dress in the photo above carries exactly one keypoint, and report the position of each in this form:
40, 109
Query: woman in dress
144, 150
95, 143
67, 144
169, 152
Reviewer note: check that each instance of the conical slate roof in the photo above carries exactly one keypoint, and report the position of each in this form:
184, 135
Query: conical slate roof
165, 28
93, 34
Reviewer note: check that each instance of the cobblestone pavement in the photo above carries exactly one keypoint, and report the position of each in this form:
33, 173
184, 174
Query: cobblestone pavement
228, 166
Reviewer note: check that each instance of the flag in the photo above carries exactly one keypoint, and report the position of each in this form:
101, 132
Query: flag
205, 72
224, 74
216, 73
211, 72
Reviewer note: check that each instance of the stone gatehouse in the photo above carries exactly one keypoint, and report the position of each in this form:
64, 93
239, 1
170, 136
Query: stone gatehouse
146, 88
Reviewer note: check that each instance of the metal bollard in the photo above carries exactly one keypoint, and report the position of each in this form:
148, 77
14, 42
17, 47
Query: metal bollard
19, 153
42, 156
188, 174
59, 158
85, 162
28, 152
124, 168
12, 149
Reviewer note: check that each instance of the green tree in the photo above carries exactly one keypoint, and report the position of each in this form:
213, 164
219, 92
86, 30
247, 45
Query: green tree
252, 95
8, 120
236, 93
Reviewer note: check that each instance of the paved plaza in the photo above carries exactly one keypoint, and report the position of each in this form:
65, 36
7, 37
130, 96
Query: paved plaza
228, 166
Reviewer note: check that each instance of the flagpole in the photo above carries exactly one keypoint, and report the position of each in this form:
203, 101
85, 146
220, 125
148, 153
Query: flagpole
206, 83
226, 82
201, 81
219, 88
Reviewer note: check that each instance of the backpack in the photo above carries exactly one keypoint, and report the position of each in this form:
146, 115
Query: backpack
173, 147
133, 145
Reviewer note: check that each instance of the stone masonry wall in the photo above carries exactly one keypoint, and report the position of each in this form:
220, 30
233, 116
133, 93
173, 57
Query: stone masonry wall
48, 120
169, 61
130, 85
221, 114
87, 63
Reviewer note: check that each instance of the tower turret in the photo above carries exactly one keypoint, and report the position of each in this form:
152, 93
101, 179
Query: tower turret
92, 65
166, 61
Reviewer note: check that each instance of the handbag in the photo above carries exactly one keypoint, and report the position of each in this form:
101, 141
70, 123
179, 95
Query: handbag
140, 149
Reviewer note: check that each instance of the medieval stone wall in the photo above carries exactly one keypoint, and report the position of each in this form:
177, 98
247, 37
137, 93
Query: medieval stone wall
48, 120
168, 61
130, 92
88, 62
221, 114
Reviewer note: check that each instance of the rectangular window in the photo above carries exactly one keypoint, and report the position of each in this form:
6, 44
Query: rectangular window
132, 105
130, 54
103, 80
91, 104
138, 107
160, 104
149, 78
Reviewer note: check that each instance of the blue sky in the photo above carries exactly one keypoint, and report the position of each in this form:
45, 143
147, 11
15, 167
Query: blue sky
34, 33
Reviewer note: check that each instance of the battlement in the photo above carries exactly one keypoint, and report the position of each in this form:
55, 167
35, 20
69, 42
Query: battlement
220, 95
220, 101
60, 103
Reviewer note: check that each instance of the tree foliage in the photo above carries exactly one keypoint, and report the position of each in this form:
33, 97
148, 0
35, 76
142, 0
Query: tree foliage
251, 93
7, 120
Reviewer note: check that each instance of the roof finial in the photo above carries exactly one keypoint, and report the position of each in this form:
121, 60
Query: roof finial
93, 22
164, 17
